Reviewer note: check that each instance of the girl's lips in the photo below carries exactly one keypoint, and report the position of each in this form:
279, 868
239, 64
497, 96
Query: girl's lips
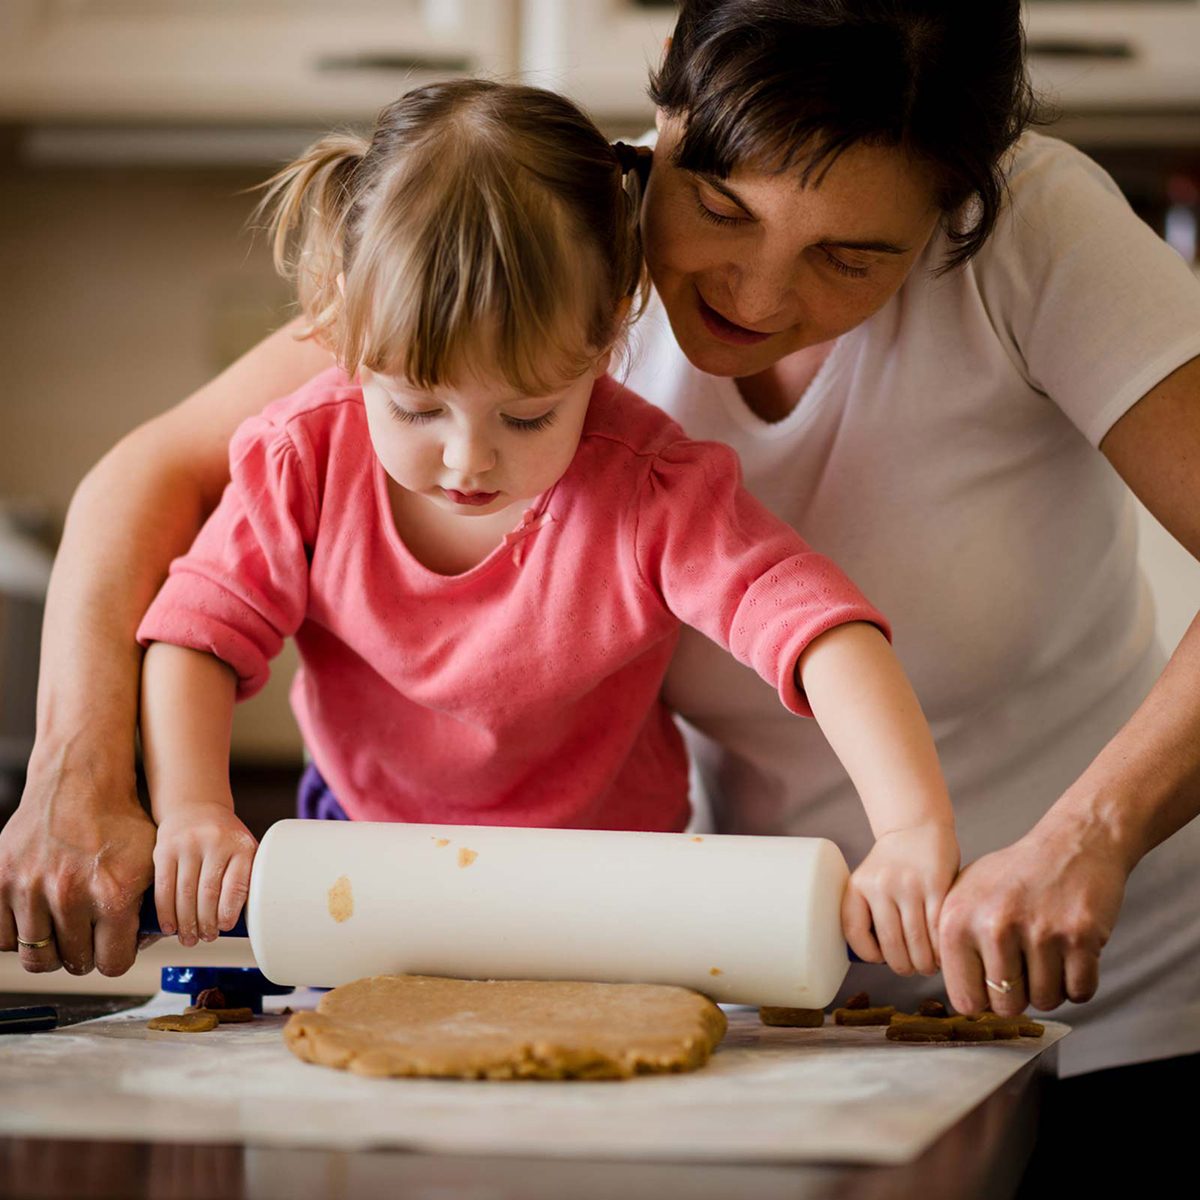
475, 499
725, 330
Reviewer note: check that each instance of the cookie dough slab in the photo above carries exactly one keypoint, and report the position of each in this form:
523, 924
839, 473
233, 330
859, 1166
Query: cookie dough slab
418, 1025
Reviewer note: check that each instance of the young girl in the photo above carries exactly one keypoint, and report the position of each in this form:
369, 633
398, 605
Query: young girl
484, 546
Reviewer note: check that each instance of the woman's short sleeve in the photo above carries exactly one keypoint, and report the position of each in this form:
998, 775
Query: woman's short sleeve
1094, 308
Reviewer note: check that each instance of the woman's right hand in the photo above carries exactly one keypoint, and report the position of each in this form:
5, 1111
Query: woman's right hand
75, 859
202, 866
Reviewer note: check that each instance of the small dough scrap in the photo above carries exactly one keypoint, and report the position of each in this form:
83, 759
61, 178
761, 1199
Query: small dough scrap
932, 1007
192, 1022
858, 1000
226, 1016
210, 998
969, 1029
341, 900
864, 1016
905, 1028
1004, 1028
792, 1018
419, 1025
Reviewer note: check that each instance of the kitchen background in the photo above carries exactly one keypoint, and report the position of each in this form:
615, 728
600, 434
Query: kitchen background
131, 129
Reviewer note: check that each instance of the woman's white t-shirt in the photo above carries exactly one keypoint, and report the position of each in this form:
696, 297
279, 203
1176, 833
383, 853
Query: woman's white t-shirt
946, 457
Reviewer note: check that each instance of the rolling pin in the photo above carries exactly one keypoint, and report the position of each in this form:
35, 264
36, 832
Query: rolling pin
746, 920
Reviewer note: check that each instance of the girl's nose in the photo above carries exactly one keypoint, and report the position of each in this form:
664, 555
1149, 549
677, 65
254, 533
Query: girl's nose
469, 454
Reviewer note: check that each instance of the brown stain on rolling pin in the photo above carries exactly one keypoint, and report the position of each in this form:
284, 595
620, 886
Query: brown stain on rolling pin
440, 842
466, 857
697, 839
341, 900
715, 971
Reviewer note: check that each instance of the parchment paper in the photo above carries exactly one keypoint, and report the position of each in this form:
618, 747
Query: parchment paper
784, 1095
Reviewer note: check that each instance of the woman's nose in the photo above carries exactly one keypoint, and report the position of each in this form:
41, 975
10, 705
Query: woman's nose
761, 297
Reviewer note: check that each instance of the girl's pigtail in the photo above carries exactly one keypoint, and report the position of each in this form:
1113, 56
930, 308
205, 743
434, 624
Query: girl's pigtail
307, 206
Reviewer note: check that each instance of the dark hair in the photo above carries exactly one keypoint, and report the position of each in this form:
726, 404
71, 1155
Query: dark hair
793, 83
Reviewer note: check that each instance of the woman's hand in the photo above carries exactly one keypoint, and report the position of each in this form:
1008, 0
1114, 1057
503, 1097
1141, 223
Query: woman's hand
201, 869
75, 859
893, 902
1035, 914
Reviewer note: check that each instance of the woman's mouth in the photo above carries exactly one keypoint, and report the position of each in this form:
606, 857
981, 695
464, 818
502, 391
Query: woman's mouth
724, 329
475, 499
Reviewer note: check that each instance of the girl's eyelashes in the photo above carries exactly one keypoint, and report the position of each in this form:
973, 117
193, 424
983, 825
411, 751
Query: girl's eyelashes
409, 417
531, 423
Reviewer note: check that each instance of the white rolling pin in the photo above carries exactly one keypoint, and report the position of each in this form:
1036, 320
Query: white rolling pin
750, 920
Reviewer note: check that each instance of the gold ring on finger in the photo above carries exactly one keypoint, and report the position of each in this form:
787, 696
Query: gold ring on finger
39, 945
1003, 986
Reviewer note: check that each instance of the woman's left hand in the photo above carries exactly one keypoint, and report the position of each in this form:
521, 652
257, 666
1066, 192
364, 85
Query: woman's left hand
1035, 914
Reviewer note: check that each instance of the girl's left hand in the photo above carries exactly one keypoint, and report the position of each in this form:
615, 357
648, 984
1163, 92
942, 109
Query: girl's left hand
893, 902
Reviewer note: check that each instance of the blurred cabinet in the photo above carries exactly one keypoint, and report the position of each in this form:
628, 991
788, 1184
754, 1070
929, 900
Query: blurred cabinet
1102, 58
238, 60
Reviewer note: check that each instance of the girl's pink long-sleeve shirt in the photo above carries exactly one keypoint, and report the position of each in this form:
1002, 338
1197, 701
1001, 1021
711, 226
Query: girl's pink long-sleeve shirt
524, 691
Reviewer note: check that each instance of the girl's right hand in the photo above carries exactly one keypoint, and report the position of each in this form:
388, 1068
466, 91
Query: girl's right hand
893, 902
202, 862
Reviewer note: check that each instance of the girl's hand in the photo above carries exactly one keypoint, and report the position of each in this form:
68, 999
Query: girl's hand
893, 901
201, 869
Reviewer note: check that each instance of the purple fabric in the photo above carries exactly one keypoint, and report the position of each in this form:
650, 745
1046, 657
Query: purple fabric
314, 800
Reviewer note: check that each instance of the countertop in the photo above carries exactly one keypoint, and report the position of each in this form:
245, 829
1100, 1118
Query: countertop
981, 1156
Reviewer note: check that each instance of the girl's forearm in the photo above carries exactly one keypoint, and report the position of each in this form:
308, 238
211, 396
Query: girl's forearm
186, 723
872, 719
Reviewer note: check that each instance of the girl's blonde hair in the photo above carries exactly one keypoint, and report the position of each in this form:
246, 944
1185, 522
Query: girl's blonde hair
483, 226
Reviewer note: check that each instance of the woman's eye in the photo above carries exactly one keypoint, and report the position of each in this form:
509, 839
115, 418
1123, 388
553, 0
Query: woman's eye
710, 214
410, 417
530, 424
843, 268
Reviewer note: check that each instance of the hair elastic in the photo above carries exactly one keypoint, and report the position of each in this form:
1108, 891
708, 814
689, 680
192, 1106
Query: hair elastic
634, 158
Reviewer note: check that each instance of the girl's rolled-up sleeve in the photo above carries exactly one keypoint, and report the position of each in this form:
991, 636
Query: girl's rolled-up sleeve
724, 564
242, 588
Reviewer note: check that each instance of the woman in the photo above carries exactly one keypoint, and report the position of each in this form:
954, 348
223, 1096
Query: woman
925, 332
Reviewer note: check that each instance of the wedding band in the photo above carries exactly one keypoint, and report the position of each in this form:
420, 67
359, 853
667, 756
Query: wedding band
1003, 986
24, 945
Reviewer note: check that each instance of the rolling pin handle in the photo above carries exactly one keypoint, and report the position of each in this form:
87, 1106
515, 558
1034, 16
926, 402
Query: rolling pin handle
148, 920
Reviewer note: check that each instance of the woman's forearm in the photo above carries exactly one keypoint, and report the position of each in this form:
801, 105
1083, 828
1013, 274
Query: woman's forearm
131, 515
136, 510
871, 718
1145, 784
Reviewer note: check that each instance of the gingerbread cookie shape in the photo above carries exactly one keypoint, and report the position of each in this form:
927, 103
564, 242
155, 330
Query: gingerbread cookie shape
792, 1018
190, 1022
226, 1016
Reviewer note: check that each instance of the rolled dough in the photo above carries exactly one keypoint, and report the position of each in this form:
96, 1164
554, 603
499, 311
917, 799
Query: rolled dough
506, 1029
